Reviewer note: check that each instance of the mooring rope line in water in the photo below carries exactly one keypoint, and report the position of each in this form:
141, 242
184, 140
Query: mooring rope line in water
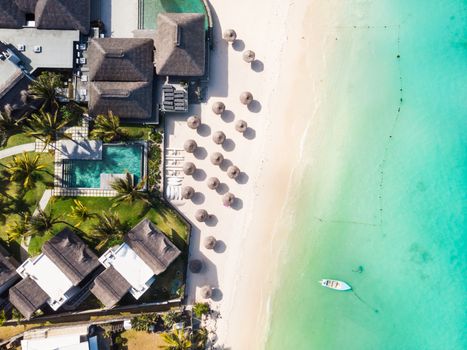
375, 310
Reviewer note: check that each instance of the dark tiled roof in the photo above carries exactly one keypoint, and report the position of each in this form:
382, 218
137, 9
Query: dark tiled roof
10, 15
128, 100
7, 269
152, 246
71, 255
63, 14
180, 44
118, 59
27, 297
109, 287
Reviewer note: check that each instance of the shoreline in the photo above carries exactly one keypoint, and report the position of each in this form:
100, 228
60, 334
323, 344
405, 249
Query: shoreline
282, 165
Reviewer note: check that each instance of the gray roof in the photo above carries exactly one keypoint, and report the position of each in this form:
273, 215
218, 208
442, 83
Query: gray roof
119, 59
71, 255
128, 100
10, 15
27, 297
63, 14
7, 269
151, 245
110, 286
180, 44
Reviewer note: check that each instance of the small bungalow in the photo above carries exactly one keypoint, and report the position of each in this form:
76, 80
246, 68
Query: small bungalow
132, 266
54, 276
121, 72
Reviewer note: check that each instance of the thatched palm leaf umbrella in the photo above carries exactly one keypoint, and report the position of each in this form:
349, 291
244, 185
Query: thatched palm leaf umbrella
217, 158
206, 292
249, 56
213, 183
193, 122
233, 171
190, 146
246, 97
218, 107
210, 242
189, 168
241, 126
229, 35
201, 215
228, 199
195, 266
188, 192
218, 137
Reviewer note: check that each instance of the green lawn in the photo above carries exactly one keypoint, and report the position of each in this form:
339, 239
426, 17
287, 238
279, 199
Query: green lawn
18, 139
165, 218
28, 200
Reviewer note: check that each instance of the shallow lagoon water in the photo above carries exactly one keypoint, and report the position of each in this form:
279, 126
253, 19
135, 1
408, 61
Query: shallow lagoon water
386, 190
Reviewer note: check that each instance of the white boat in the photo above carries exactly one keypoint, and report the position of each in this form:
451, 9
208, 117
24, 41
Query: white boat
334, 284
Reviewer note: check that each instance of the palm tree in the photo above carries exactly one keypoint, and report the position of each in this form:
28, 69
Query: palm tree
200, 337
45, 126
80, 212
19, 228
5, 206
109, 229
23, 168
128, 191
42, 223
107, 128
45, 88
178, 339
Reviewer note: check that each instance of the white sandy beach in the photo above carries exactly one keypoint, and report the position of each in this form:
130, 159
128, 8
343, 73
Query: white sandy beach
252, 232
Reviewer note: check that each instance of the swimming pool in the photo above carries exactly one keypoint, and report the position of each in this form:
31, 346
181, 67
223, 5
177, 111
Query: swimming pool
151, 8
116, 159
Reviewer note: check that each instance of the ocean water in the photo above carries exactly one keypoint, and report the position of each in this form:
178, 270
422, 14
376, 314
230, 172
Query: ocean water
386, 189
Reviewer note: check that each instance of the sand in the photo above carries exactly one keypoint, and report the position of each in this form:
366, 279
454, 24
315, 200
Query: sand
250, 233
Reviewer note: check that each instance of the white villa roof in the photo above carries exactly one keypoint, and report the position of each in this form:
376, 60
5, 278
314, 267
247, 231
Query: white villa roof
56, 49
49, 277
64, 342
131, 267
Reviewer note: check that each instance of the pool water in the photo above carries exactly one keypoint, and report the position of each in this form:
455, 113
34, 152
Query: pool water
151, 8
115, 160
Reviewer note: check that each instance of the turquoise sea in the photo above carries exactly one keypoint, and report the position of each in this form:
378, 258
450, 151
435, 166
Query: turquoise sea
386, 190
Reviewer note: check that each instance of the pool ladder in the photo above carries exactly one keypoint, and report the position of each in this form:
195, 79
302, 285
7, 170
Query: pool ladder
66, 176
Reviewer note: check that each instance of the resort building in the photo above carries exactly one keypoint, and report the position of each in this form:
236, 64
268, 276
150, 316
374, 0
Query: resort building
55, 276
180, 45
37, 35
62, 338
132, 266
121, 73
8, 275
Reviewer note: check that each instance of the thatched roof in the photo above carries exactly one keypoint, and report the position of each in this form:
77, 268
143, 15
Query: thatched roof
249, 56
188, 192
27, 297
241, 125
63, 14
193, 122
209, 242
218, 107
213, 183
217, 158
189, 168
119, 59
218, 137
154, 247
26, 6
128, 100
110, 286
228, 199
190, 146
246, 97
10, 15
180, 44
201, 215
71, 255
7, 270
229, 35
233, 171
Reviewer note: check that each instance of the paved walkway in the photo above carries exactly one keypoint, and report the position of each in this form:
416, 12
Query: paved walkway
11, 151
44, 200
